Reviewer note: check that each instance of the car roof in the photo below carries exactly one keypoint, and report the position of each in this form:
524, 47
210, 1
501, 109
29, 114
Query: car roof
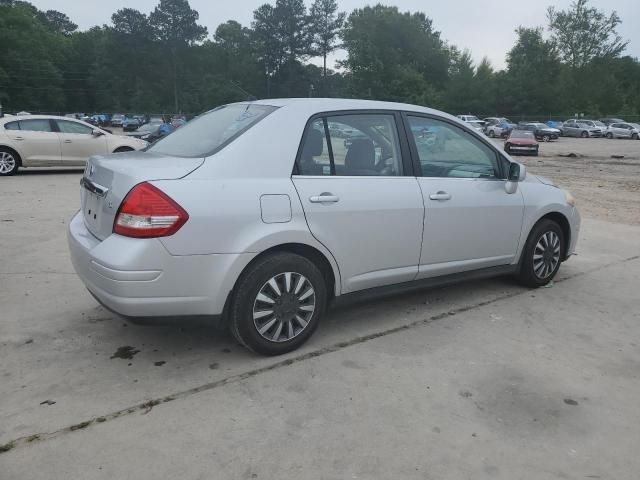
41, 117
319, 105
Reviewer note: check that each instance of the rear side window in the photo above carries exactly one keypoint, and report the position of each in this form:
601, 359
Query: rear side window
212, 131
351, 145
12, 126
36, 125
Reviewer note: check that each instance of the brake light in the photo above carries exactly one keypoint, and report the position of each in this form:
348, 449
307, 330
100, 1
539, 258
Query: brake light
148, 212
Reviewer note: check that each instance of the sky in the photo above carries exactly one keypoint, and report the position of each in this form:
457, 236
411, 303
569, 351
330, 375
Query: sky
485, 27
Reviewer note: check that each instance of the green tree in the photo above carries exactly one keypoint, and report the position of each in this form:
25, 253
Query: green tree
394, 56
326, 23
533, 72
175, 25
60, 22
583, 33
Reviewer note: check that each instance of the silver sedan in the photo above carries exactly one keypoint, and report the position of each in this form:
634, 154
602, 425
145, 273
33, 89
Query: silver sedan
262, 214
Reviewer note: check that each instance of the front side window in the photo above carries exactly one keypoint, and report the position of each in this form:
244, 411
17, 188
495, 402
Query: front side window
445, 150
357, 145
205, 135
36, 125
74, 127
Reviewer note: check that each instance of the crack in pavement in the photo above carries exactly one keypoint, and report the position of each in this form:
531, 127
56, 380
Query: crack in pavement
146, 406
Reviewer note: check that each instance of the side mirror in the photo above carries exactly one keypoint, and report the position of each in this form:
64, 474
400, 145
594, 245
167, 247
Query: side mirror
97, 133
514, 172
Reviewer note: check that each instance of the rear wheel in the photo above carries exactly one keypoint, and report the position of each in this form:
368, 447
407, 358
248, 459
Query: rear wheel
507, 148
542, 254
634, 136
123, 149
492, 134
278, 304
546, 138
9, 162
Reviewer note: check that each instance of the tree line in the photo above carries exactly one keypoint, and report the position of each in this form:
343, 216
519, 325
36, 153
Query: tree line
166, 61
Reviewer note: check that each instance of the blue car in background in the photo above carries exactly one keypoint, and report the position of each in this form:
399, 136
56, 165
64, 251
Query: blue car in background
555, 124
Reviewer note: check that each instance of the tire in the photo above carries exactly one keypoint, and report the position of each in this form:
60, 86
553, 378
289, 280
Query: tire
507, 148
531, 273
634, 136
290, 322
9, 162
584, 135
123, 149
492, 134
546, 138
609, 135
535, 154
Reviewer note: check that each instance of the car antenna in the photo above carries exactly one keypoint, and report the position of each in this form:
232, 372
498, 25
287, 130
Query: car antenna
250, 96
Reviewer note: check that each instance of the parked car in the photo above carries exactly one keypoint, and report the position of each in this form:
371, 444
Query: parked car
117, 119
580, 128
44, 141
555, 124
540, 130
609, 121
152, 132
521, 142
475, 122
244, 211
497, 121
501, 130
623, 130
129, 124
178, 122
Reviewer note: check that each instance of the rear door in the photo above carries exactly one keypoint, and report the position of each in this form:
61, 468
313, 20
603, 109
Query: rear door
471, 222
36, 141
77, 142
360, 197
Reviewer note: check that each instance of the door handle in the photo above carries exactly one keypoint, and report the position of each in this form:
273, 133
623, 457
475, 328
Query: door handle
67, 141
18, 138
324, 198
440, 196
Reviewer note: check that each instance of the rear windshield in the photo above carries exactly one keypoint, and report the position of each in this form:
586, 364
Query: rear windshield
211, 131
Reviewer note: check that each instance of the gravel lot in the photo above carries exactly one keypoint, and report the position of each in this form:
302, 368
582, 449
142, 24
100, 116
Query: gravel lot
484, 380
605, 187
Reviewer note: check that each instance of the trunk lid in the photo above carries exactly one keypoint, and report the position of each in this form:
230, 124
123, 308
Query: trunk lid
108, 179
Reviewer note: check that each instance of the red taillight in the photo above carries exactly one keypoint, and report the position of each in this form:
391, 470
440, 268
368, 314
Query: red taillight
148, 212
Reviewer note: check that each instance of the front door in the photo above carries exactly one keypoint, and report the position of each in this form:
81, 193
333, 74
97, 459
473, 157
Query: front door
471, 222
359, 201
77, 142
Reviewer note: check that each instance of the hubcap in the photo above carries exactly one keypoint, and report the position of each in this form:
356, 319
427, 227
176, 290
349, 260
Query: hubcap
546, 255
284, 306
7, 162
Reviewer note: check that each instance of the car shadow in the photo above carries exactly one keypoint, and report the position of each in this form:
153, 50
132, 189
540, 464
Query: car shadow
49, 170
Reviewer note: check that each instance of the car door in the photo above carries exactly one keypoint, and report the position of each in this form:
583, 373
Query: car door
77, 142
36, 142
471, 222
360, 198
570, 128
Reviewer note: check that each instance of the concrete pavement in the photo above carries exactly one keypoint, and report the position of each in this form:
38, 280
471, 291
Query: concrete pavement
480, 380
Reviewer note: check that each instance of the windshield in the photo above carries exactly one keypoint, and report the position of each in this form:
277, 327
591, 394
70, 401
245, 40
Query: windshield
521, 134
211, 131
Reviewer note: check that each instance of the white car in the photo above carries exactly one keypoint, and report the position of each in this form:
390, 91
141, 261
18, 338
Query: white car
260, 215
623, 130
44, 141
474, 121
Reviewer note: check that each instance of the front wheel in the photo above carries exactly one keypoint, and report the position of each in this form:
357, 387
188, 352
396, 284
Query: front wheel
278, 303
9, 162
492, 134
546, 138
584, 134
609, 135
542, 254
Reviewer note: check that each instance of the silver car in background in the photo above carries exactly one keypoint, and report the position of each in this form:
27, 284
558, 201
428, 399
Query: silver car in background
623, 130
260, 215
582, 128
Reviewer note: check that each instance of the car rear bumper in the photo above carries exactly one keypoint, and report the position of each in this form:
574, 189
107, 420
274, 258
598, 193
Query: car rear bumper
140, 278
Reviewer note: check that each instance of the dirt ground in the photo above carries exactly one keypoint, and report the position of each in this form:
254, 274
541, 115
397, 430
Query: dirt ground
606, 188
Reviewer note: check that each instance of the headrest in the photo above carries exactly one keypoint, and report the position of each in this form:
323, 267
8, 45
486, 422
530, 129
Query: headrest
361, 155
313, 144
